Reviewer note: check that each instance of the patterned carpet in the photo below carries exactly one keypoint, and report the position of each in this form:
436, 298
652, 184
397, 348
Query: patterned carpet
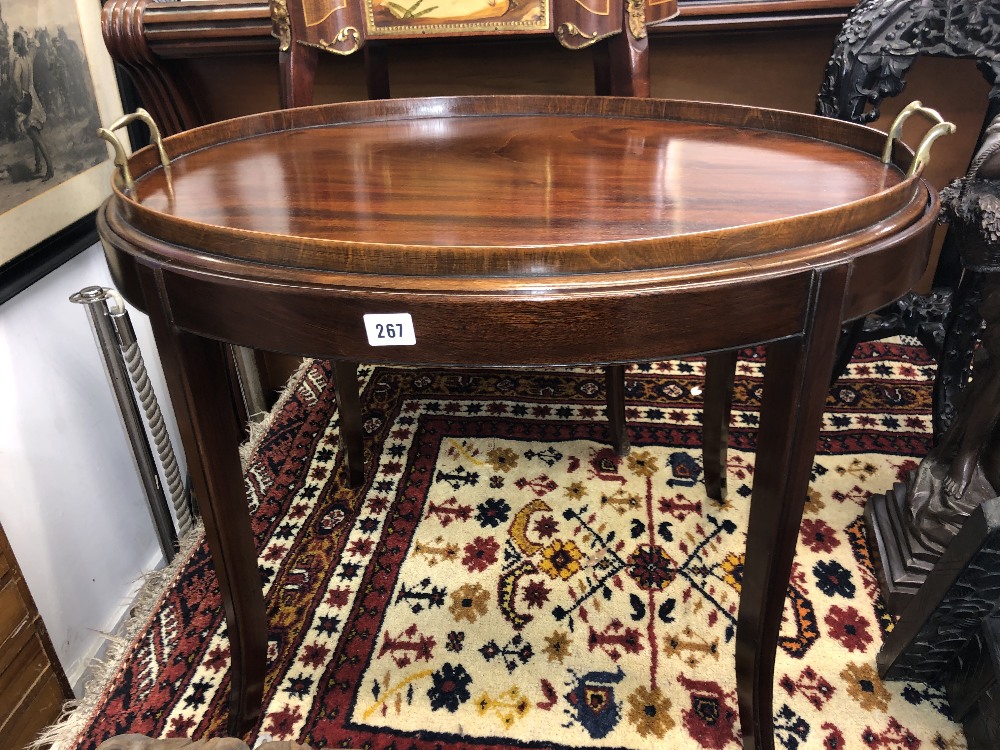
504, 580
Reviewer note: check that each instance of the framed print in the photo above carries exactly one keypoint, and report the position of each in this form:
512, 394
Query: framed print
57, 86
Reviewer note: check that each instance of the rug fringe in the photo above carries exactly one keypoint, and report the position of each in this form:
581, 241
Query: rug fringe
77, 713
257, 429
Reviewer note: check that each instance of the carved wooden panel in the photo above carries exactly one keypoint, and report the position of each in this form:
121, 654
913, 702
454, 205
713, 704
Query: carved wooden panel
975, 696
882, 39
928, 643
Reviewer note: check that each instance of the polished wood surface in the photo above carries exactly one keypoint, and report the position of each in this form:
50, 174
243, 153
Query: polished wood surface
521, 180
718, 244
515, 190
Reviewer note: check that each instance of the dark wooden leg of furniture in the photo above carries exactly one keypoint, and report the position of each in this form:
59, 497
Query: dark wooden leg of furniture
196, 372
796, 380
614, 386
628, 63
850, 337
377, 70
602, 65
297, 68
345, 383
720, 374
298, 74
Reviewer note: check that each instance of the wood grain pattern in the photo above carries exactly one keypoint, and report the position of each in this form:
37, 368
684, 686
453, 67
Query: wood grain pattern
13, 610
502, 181
388, 179
41, 706
28, 661
33, 685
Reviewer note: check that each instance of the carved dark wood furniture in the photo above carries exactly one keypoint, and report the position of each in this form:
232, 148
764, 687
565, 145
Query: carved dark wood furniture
974, 691
910, 526
630, 265
877, 46
949, 633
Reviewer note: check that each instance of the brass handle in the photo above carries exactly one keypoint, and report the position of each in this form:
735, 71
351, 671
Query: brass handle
121, 159
922, 157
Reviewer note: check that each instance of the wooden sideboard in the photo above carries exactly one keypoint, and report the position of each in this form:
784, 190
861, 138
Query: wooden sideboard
149, 39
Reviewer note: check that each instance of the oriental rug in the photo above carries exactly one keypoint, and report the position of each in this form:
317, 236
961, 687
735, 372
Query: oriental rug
503, 580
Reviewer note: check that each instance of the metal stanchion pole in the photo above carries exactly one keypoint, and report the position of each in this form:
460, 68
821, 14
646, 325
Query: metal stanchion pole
102, 321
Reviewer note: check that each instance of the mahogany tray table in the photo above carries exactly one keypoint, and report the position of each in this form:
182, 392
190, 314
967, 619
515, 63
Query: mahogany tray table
516, 231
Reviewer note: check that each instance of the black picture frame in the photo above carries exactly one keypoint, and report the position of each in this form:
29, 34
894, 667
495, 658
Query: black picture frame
37, 262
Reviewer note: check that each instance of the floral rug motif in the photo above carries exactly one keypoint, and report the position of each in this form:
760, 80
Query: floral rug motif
505, 580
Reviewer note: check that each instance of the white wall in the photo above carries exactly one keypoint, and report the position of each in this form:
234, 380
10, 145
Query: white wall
71, 501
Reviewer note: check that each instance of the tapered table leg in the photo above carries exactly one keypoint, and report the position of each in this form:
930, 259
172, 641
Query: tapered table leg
796, 382
345, 384
614, 387
196, 371
720, 374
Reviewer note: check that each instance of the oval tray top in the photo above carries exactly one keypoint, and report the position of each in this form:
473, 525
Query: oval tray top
515, 186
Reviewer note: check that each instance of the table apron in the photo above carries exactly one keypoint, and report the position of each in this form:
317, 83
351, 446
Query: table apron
484, 329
